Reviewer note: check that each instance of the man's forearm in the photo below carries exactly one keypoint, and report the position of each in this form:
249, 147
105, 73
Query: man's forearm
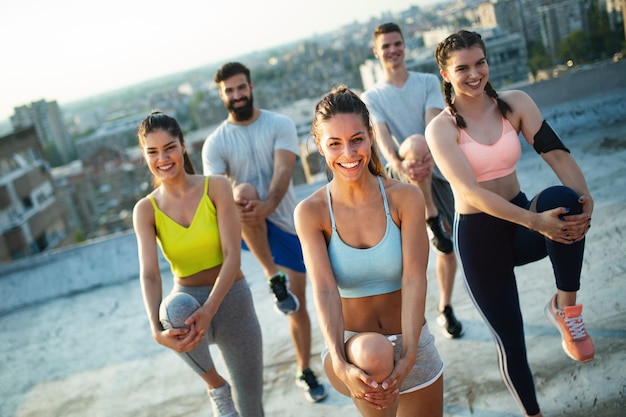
278, 188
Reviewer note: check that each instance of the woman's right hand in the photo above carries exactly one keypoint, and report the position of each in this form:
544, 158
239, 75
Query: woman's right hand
552, 225
364, 387
181, 340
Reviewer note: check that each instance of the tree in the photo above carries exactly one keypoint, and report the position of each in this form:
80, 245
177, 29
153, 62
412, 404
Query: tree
604, 42
576, 47
537, 57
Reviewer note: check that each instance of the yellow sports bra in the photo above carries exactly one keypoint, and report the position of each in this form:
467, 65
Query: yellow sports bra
192, 249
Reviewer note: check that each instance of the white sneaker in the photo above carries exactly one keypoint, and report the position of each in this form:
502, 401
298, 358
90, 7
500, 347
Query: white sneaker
222, 402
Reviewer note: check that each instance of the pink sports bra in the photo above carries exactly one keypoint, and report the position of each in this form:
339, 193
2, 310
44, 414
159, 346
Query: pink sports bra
492, 161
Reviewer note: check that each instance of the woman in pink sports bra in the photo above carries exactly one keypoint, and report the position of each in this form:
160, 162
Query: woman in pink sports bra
475, 144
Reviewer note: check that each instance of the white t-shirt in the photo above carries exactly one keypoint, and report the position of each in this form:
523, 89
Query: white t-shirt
403, 109
246, 154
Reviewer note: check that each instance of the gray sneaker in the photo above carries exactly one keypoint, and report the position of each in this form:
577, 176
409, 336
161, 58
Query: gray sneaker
284, 300
222, 402
314, 391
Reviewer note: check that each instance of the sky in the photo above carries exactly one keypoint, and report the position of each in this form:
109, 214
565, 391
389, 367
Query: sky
65, 50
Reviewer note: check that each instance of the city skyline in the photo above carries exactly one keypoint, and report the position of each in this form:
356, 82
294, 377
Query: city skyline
70, 50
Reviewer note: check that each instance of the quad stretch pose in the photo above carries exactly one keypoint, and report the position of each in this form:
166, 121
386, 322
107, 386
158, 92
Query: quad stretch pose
401, 105
366, 248
194, 220
476, 145
257, 149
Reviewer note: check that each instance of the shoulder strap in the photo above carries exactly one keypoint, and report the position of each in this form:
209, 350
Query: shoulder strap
330, 208
382, 190
154, 204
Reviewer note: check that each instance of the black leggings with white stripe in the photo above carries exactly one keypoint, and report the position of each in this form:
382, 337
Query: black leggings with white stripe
489, 249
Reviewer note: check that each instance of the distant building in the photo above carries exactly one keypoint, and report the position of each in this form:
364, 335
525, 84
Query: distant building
101, 189
371, 71
530, 19
559, 18
616, 10
32, 219
508, 58
46, 117
505, 14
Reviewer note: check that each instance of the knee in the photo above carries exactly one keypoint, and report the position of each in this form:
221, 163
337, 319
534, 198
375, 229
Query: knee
413, 147
373, 353
245, 191
176, 308
559, 196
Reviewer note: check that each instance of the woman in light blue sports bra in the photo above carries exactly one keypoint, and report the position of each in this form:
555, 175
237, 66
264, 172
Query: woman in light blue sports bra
366, 250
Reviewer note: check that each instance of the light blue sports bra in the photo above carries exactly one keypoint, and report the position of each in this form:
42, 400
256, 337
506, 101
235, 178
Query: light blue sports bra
371, 271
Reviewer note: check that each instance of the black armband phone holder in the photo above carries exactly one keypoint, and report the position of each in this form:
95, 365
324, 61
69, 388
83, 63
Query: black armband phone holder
547, 140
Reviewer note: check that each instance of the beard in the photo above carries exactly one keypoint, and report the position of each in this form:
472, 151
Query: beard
243, 113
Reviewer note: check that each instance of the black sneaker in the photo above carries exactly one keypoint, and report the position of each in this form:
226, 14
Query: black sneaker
439, 237
284, 300
451, 326
314, 391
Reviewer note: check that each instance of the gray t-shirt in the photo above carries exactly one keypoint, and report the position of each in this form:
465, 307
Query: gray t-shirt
403, 109
246, 154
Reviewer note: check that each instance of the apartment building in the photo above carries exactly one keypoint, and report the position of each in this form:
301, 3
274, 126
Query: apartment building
32, 219
47, 120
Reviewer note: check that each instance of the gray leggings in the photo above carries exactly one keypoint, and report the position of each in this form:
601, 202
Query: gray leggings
236, 331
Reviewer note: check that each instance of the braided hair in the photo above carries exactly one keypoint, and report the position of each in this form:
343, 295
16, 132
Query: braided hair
464, 39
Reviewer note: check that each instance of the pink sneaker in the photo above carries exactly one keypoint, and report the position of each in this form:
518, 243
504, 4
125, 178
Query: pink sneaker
576, 341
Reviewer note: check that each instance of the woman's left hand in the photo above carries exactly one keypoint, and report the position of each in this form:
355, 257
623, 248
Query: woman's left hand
389, 390
198, 322
384, 396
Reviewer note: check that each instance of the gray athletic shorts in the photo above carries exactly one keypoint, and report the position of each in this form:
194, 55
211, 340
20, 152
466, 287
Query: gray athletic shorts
428, 364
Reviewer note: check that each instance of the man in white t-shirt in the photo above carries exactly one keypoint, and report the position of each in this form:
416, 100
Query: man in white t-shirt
401, 105
257, 149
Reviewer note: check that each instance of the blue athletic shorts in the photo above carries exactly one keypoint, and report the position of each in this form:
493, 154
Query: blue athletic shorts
285, 247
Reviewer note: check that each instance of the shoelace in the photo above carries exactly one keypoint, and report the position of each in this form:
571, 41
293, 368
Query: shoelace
576, 326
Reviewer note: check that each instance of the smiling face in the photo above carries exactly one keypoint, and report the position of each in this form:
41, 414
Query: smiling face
345, 143
163, 154
389, 49
467, 70
236, 93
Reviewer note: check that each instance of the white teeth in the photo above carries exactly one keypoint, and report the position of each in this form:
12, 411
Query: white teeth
166, 167
474, 84
350, 164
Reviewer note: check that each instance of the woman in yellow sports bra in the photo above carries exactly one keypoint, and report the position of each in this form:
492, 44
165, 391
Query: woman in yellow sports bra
194, 221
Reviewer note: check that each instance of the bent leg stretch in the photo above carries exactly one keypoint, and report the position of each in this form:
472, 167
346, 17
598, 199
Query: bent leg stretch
199, 359
567, 260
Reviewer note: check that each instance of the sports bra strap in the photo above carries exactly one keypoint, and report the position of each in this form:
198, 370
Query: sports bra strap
330, 206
